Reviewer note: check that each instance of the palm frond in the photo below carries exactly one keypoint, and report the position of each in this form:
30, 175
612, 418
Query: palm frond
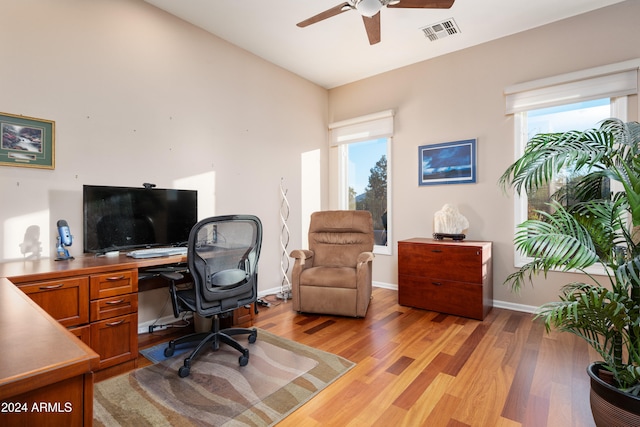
546, 154
557, 240
526, 273
601, 317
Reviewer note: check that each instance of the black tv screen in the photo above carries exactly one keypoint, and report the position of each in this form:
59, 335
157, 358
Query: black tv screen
121, 218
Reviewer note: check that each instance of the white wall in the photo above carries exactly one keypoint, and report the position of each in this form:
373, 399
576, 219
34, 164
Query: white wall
460, 96
138, 95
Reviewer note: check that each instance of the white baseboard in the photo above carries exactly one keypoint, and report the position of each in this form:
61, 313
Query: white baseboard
514, 307
385, 285
143, 328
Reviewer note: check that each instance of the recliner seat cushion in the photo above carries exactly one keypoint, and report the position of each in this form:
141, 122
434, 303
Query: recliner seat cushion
334, 277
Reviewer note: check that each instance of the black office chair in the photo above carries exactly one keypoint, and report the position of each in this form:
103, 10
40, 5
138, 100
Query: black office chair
222, 256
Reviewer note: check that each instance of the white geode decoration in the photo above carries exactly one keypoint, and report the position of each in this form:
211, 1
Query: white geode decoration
449, 220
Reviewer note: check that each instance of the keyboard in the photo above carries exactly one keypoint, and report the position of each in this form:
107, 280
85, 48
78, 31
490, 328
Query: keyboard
157, 252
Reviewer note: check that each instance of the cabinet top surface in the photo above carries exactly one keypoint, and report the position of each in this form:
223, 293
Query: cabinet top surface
19, 271
427, 240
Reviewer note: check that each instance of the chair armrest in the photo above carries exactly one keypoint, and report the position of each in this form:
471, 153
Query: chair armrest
301, 255
171, 276
365, 257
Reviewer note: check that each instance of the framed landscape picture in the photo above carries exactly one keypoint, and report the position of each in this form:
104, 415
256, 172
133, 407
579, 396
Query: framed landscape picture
447, 163
27, 142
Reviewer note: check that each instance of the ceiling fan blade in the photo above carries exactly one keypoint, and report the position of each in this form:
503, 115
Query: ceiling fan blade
424, 4
372, 25
336, 10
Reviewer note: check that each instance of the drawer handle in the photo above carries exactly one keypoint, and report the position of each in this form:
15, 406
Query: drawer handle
436, 283
46, 288
120, 301
436, 250
119, 322
115, 278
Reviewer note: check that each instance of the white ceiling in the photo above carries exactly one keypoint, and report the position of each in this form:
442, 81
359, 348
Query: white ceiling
336, 51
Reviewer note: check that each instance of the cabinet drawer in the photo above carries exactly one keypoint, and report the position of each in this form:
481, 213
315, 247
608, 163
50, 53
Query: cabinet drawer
107, 308
455, 263
66, 300
115, 340
112, 284
451, 297
83, 333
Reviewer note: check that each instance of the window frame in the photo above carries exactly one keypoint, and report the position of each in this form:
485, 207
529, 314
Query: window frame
370, 127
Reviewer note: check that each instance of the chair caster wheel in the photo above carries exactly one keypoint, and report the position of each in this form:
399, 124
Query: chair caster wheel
168, 352
243, 360
253, 336
183, 372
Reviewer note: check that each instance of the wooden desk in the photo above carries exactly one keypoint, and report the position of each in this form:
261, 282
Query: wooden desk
45, 372
41, 362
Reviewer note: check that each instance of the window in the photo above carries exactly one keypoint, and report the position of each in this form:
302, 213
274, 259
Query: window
364, 183
576, 116
364, 156
579, 116
575, 101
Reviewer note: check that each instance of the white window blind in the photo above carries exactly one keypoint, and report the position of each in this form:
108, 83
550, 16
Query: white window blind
364, 128
608, 81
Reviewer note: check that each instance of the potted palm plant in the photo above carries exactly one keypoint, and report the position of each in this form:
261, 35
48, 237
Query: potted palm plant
589, 223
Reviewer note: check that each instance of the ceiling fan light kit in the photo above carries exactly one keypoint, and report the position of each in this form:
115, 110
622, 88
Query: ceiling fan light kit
370, 11
369, 8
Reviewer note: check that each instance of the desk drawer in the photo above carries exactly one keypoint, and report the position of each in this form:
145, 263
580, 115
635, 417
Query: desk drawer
112, 284
66, 300
107, 308
116, 339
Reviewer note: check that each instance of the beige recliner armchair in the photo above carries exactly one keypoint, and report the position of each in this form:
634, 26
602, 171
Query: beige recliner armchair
334, 275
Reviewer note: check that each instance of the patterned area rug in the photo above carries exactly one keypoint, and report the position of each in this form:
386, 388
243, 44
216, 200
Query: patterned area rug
280, 377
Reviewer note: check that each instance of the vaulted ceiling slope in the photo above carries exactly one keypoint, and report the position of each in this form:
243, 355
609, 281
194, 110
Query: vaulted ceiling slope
336, 50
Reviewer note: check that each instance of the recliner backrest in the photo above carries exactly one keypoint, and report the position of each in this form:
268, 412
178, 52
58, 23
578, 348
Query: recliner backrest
338, 237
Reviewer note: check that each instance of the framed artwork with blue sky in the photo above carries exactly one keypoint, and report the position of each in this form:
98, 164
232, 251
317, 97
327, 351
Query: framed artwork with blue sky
447, 163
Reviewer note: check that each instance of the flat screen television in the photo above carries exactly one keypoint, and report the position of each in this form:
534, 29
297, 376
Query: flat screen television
124, 218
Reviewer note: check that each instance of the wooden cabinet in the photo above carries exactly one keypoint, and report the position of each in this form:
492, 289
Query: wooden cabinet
65, 403
453, 277
114, 316
243, 316
100, 309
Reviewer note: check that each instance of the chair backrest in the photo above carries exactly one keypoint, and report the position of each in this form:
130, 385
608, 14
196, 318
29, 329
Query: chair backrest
338, 237
223, 255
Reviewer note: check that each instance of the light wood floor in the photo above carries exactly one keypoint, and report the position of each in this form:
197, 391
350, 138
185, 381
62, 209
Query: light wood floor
420, 368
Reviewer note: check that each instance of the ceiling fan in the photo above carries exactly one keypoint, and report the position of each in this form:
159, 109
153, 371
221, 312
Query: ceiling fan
370, 11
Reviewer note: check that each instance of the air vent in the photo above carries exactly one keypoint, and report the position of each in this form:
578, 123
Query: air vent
441, 30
